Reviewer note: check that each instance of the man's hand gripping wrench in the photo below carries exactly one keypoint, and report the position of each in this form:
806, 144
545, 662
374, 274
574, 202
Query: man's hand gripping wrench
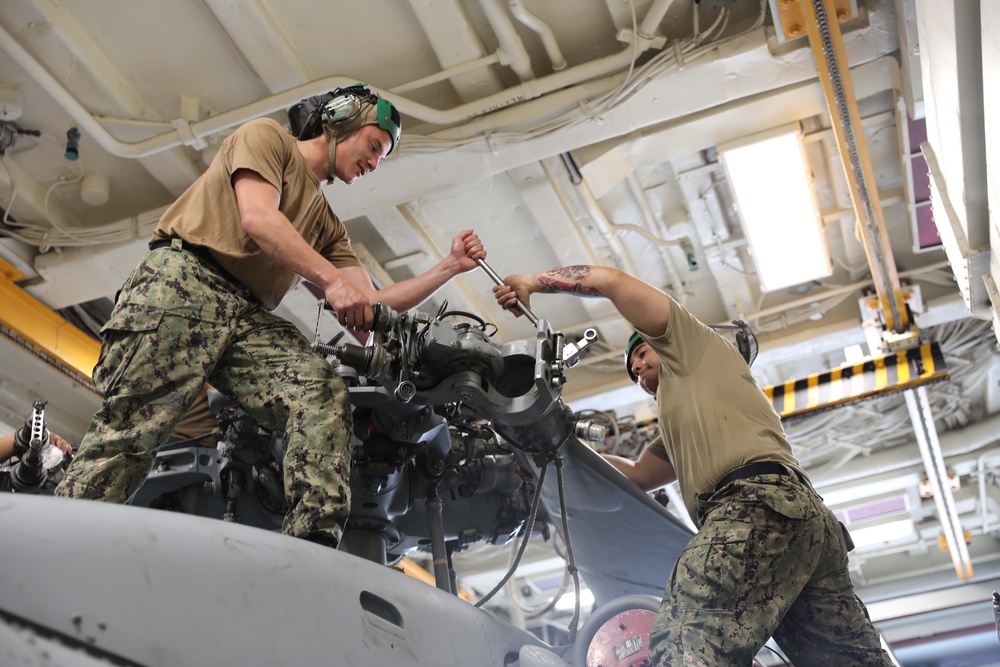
571, 352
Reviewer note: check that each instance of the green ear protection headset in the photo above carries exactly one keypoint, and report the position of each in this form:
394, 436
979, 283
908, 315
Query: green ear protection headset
746, 343
343, 105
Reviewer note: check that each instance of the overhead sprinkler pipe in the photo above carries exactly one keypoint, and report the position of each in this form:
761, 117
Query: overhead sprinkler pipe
445, 74
543, 30
513, 53
186, 133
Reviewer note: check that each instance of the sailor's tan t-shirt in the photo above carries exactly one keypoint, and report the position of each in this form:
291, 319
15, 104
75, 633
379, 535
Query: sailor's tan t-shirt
207, 214
713, 417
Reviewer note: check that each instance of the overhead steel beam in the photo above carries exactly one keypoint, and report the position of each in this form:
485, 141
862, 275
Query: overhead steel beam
823, 27
32, 325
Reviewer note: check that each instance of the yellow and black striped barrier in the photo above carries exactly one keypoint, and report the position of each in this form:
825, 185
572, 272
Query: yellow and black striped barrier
880, 375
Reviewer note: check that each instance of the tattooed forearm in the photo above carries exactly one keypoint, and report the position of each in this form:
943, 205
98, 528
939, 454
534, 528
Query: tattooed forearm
569, 279
578, 272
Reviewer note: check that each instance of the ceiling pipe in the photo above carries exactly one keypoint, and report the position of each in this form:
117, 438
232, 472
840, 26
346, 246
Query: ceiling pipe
193, 134
661, 124
651, 22
512, 51
611, 231
447, 73
871, 77
171, 170
458, 46
544, 32
540, 107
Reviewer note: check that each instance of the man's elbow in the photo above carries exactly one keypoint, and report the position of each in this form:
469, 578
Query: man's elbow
253, 222
647, 484
613, 283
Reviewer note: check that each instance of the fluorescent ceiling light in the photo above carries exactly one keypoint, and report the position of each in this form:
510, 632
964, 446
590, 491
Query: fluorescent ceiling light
770, 181
883, 532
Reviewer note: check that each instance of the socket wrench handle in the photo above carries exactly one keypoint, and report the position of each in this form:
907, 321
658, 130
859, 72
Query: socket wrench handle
499, 281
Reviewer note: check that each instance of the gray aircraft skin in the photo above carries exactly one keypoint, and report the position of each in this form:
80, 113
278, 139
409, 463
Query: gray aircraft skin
93, 583
88, 583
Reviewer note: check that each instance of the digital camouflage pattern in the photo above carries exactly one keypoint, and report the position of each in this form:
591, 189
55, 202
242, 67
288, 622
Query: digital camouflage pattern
178, 322
769, 560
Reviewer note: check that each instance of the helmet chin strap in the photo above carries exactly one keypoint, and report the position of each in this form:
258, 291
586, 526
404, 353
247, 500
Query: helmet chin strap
339, 131
331, 159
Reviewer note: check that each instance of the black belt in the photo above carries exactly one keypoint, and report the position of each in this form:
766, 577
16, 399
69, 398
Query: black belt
201, 252
752, 470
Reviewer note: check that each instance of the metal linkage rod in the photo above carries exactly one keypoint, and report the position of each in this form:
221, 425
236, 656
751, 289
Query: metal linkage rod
499, 281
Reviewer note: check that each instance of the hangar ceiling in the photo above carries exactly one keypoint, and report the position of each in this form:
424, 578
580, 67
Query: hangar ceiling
568, 132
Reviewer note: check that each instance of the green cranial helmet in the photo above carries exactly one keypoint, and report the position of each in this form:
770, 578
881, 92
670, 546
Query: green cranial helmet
389, 120
356, 106
344, 110
633, 342
746, 343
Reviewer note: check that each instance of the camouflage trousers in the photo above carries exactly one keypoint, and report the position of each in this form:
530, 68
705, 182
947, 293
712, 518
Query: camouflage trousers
770, 560
179, 322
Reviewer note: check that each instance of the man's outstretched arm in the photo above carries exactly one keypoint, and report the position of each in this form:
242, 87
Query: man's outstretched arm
645, 307
466, 248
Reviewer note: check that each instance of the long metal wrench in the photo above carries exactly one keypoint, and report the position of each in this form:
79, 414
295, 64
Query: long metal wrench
499, 281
